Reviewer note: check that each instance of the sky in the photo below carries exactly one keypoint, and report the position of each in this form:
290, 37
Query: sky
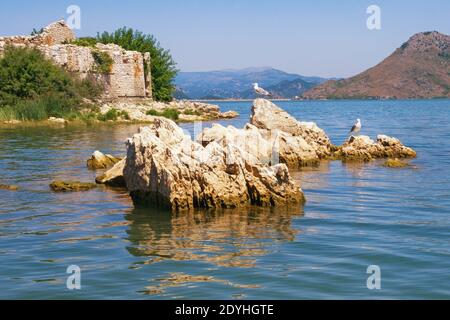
325, 38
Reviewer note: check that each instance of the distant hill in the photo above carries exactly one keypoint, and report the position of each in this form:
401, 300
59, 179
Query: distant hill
420, 68
285, 89
237, 83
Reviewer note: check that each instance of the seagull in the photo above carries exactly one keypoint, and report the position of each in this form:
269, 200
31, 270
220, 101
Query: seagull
356, 127
260, 91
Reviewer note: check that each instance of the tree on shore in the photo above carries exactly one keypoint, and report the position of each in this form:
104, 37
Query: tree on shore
163, 67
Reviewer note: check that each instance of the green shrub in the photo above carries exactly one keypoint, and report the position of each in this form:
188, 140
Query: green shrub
103, 62
163, 67
85, 42
169, 113
113, 114
34, 88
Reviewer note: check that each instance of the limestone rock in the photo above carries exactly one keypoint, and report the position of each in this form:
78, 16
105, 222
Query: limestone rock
269, 142
99, 160
270, 118
114, 176
365, 149
189, 111
57, 120
229, 114
248, 139
173, 171
69, 186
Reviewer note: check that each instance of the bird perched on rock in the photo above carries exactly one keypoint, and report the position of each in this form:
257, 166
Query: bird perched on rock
260, 91
356, 127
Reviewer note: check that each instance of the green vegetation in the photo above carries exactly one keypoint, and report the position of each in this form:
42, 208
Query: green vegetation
35, 31
191, 112
113, 115
169, 113
103, 62
85, 42
163, 67
445, 55
34, 88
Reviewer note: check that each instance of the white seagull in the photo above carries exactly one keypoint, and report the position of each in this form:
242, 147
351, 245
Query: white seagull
260, 91
356, 127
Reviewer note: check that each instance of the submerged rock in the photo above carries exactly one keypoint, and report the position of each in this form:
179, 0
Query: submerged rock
67, 186
365, 149
164, 167
395, 163
114, 176
99, 160
8, 187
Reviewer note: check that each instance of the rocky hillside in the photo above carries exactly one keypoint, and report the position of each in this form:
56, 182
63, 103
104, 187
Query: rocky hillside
237, 84
420, 68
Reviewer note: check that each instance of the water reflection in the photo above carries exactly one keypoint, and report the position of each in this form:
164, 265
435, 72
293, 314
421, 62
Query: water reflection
222, 237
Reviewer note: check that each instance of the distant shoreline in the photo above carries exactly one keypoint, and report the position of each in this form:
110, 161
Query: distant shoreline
235, 100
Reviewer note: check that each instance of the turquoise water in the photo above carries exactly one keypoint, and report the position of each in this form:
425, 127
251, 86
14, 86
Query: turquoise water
356, 215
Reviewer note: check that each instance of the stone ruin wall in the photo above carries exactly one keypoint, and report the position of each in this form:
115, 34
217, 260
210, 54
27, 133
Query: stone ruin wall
126, 78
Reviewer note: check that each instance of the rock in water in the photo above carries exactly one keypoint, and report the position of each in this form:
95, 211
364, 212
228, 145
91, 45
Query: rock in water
8, 187
273, 136
114, 176
271, 119
99, 160
68, 186
395, 163
166, 168
365, 149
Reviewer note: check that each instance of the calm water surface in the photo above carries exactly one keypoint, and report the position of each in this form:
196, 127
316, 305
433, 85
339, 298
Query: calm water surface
356, 215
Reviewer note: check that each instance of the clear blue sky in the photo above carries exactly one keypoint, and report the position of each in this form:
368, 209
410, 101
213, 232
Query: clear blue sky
323, 37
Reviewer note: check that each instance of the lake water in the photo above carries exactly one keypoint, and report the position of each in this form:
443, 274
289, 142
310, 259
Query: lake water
356, 215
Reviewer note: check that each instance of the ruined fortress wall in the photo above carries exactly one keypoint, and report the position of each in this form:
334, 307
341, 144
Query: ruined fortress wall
125, 79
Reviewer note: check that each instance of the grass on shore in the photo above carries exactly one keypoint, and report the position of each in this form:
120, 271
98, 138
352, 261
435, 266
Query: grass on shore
169, 113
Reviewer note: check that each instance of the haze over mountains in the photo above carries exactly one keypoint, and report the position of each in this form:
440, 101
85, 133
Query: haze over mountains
237, 83
420, 68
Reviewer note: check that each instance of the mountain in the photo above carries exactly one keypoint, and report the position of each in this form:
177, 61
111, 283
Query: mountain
285, 89
237, 83
420, 68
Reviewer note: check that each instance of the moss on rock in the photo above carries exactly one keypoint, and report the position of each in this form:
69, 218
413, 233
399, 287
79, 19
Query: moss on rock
68, 186
394, 163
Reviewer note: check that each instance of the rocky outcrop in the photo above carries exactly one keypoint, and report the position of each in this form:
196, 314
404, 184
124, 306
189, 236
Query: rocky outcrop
164, 167
273, 136
188, 111
114, 176
271, 119
99, 160
365, 149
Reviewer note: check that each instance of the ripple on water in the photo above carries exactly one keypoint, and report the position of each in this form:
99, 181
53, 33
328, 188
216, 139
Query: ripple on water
356, 215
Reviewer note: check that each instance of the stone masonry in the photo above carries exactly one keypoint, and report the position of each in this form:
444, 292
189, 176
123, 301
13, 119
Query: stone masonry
126, 77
